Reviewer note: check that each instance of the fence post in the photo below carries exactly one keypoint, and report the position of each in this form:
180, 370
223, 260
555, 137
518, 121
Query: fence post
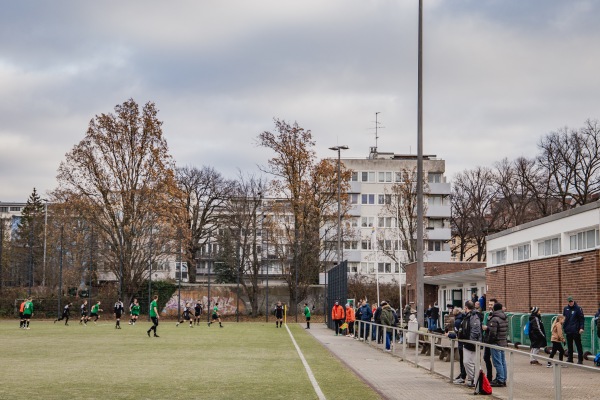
451, 360
404, 345
431, 353
557, 382
510, 370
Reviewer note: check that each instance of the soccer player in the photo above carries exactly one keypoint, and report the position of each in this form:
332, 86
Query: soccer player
153, 316
22, 320
134, 309
118, 310
278, 311
307, 315
187, 315
197, 312
95, 310
216, 316
27, 312
65, 314
84, 317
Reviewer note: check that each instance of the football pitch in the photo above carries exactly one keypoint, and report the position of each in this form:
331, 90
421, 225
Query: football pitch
240, 361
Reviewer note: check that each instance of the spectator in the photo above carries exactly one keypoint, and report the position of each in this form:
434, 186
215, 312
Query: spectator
377, 330
574, 323
557, 338
388, 320
433, 317
487, 353
597, 321
458, 317
337, 315
365, 314
497, 335
407, 312
482, 302
473, 333
350, 318
537, 335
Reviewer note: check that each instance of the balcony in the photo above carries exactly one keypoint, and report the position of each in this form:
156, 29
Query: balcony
439, 234
439, 211
439, 188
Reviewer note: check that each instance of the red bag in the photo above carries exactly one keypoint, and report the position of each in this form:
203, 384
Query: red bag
483, 384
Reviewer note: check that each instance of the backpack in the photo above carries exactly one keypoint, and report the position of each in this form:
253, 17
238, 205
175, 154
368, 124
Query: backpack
526, 329
483, 384
597, 360
464, 332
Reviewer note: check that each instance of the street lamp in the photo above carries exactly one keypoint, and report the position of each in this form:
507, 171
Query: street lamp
45, 225
339, 218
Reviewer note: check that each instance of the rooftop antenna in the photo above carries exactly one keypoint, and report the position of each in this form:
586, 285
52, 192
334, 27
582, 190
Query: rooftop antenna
377, 127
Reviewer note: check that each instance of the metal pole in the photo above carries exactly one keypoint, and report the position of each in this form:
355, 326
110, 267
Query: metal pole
30, 272
44, 262
91, 268
339, 210
239, 267
420, 266
179, 281
150, 268
60, 268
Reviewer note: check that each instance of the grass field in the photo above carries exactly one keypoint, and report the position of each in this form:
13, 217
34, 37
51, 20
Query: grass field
240, 361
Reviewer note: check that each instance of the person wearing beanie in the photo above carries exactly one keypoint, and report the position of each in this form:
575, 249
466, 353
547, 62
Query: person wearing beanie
537, 335
497, 332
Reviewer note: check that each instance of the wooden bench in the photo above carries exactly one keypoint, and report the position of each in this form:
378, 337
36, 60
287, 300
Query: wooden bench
444, 347
424, 342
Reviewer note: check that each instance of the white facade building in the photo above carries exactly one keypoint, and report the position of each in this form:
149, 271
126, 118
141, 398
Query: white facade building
372, 226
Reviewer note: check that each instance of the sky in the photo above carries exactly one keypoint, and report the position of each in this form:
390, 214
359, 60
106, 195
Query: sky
497, 76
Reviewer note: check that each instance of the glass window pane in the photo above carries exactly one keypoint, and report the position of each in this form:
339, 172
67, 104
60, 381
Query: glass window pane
371, 176
591, 239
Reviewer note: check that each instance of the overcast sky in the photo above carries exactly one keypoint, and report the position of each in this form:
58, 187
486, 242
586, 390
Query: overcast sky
497, 76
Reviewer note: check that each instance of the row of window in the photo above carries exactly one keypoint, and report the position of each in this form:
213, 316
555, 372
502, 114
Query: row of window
12, 209
393, 176
583, 240
369, 268
432, 245
370, 199
390, 222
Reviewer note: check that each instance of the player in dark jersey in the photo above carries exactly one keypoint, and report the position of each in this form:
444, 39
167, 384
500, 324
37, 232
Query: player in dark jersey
84, 316
134, 309
278, 311
187, 315
118, 310
197, 312
65, 314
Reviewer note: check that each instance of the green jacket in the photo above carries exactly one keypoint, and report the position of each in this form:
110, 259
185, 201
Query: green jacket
387, 317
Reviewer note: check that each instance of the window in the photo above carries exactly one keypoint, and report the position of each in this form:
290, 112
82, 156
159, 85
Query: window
385, 222
434, 177
351, 245
367, 268
521, 252
365, 244
397, 176
353, 198
435, 245
366, 222
3, 209
499, 257
353, 267
384, 199
17, 209
549, 247
354, 176
366, 176
434, 223
435, 200
384, 268
351, 222
367, 199
387, 245
584, 240
385, 177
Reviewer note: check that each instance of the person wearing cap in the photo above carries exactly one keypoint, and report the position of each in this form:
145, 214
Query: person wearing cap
574, 324
537, 335
337, 315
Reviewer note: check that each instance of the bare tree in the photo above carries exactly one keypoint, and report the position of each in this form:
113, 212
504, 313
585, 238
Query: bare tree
204, 193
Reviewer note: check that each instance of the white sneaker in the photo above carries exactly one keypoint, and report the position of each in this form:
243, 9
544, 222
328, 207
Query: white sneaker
459, 381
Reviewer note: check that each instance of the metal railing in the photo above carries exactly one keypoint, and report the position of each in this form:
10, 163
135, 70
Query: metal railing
439, 354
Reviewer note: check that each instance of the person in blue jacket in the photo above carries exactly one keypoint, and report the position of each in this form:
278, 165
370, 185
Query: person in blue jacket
365, 314
573, 327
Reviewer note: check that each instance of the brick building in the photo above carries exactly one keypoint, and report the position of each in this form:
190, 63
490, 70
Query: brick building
543, 262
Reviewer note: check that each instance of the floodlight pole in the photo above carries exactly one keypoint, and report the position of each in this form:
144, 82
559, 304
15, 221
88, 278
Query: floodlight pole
420, 249
45, 225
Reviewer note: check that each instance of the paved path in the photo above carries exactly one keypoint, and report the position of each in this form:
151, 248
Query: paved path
390, 377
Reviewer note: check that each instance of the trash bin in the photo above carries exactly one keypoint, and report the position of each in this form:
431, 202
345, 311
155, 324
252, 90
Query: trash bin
413, 331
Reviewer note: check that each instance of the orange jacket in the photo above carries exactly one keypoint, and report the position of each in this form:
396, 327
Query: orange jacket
337, 312
350, 314
22, 307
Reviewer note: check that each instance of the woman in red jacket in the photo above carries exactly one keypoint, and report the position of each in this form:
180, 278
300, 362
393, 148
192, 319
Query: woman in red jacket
337, 315
350, 318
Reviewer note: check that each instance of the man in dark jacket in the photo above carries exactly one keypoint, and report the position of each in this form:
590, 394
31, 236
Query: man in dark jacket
497, 331
365, 314
377, 330
573, 327
460, 379
388, 320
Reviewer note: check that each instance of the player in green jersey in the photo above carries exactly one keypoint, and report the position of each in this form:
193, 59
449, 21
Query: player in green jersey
154, 315
27, 312
307, 315
134, 309
95, 311
215, 315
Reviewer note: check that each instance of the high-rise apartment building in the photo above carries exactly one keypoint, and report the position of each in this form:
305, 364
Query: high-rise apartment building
373, 244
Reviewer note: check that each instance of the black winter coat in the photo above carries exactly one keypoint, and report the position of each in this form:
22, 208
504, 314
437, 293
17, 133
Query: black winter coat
537, 333
498, 329
574, 319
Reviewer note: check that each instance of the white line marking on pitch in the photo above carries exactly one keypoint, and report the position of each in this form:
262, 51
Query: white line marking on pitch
311, 377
